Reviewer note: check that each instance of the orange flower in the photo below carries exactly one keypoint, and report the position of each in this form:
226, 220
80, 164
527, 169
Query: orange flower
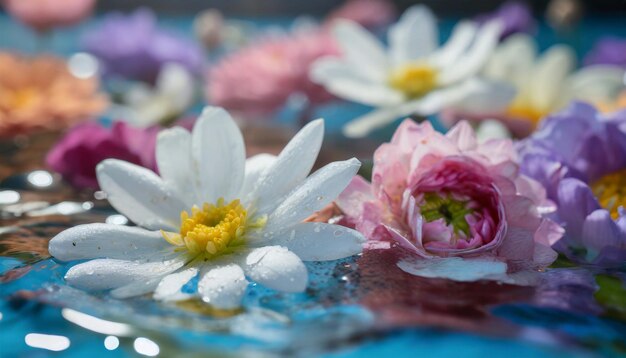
41, 93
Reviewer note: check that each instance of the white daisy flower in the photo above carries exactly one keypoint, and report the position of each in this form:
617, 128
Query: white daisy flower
548, 82
172, 94
414, 76
214, 214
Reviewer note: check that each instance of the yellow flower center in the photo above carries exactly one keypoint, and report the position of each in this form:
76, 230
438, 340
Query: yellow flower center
611, 192
414, 80
528, 113
18, 99
214, 229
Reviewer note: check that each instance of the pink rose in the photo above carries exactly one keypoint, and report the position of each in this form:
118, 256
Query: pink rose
43, 15
447, 196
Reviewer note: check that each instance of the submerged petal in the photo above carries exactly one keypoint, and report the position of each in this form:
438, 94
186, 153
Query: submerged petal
456, 269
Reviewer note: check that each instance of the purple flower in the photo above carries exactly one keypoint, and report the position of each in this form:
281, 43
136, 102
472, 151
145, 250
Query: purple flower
607, 51
514, 15
579, 155
76, 155
132, 46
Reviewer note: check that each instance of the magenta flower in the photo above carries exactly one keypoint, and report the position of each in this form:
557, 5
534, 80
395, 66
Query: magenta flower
461, 209
76, 155
371, 14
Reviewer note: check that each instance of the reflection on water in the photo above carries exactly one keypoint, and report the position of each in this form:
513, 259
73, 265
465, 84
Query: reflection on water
96, 324
111, 343
47, 341
146, 347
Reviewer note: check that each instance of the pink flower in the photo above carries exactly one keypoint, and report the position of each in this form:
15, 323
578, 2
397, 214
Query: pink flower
371, 14
43, 15
455, 202
260, 78
76, 155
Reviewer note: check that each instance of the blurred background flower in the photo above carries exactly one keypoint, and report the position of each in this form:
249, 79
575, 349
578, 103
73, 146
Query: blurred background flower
41, 93
272, 69
515, 16
544, 83
609, 50
133, 46
44, 15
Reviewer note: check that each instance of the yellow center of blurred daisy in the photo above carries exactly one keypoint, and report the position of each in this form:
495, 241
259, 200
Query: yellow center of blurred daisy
528, 113
414, 80
214, 229
611, 192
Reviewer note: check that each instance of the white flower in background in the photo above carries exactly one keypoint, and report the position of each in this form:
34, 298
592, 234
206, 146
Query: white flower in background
214, 214
414, 76
172, 94
546, 83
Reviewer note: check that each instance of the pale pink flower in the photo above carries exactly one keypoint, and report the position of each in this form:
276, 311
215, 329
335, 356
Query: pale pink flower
260, 78
371, 14
460, 208
43, 15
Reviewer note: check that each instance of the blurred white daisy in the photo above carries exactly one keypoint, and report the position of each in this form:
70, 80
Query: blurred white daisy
414, 76
546, 83
172, 94
214, 214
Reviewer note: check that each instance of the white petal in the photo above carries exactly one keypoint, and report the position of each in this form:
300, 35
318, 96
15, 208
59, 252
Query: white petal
102, 274
595, 84
320, 241
462, 36
481, 96
218, 156
414, 36
428, 105
341, 79
169, 286
513, 60
136, 288
173, 155
456, 269
492, 129
255, 167
277, 268
106, 241
140, 194
177, 85
362, 49
292, 166
223, 287
475, 57
549, 75
321, 188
